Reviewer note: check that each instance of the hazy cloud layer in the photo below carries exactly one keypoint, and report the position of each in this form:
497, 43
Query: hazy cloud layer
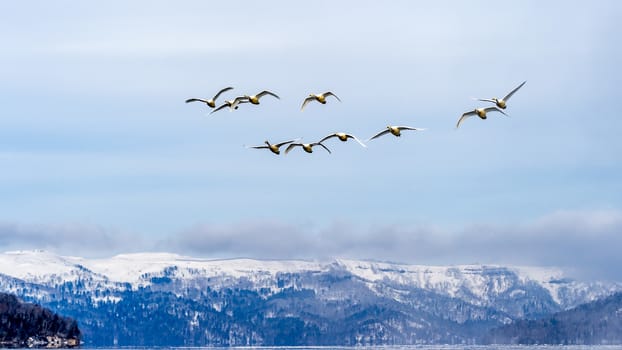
68, 239
586, 243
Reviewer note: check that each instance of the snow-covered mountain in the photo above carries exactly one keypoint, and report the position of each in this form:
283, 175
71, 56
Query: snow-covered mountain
478, 284
404, 303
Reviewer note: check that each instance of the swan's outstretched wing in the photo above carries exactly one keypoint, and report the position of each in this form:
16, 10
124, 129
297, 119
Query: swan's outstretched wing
356, 139
385, 131
196, 100
466, 115
257, 147
328, 93
493, 109
321, 144
485, 100
285, 142
237, 101
266, 92
291, 146
224, 105
507, 97
221, 91
327, 137
307, 100
409, 128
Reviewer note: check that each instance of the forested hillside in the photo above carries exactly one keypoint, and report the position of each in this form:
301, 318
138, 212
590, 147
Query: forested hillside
598, 322
24, 324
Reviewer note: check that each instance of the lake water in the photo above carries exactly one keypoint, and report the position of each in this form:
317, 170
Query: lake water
409, 347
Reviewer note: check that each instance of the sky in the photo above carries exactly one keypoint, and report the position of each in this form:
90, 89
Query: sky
99, 154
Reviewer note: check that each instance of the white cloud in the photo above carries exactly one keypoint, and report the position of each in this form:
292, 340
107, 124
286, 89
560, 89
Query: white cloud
586, 242
583, 241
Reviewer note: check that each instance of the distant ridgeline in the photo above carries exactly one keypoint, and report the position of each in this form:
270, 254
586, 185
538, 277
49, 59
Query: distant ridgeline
24, 324
598, 322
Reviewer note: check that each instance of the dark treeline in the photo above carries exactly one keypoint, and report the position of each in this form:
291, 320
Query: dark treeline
598, 322
28, 324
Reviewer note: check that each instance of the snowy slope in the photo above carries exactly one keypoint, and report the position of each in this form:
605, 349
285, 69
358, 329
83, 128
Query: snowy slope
130, 267
477, 284
35, 265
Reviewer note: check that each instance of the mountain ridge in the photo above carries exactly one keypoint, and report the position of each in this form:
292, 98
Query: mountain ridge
132, 268
240, 301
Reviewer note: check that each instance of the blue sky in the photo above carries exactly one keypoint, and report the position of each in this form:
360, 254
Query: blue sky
100, 155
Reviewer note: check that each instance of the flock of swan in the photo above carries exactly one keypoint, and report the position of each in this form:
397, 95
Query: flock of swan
499, 105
